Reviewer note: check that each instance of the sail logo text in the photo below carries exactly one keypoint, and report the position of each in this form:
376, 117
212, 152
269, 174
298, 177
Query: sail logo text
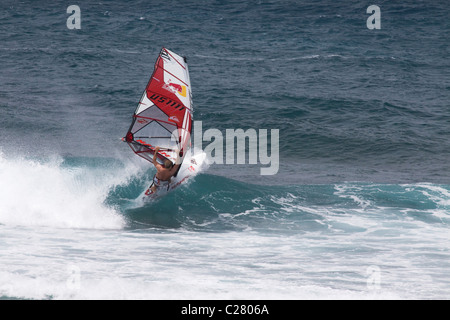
161, 99
256, 152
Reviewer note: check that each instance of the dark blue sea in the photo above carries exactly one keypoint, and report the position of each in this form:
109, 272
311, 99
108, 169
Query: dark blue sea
360, 205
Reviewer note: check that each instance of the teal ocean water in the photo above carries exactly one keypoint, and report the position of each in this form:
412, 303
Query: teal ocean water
360, 206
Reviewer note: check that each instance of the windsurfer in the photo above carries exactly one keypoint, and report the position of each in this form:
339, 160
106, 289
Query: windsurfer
163, 172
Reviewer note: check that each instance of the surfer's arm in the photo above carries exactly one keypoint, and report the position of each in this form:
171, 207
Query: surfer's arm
177, 163
174, 168
155, 163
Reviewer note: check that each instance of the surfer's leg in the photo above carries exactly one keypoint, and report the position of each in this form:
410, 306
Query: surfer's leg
154, 184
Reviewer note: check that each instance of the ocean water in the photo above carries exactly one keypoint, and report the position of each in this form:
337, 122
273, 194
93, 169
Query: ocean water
360, 206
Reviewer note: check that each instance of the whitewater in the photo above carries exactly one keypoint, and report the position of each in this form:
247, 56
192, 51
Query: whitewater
81, 234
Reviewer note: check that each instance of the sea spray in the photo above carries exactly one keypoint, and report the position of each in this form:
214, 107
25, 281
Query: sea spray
47, 193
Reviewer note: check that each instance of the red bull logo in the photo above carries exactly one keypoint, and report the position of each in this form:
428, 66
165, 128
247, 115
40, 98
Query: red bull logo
180, 89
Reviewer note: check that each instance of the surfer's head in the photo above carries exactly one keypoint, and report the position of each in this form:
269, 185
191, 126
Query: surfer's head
168, 164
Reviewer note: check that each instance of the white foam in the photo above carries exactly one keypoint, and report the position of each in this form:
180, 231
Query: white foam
121, 265
47, 194
436, 193
350, 192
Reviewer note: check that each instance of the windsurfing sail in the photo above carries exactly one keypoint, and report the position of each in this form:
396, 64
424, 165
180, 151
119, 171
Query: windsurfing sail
163, 116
